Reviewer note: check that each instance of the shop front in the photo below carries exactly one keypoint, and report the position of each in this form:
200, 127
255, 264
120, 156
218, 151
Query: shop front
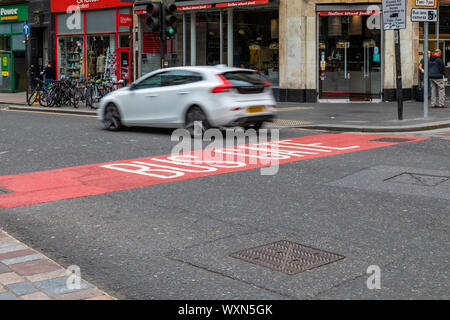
13, 76
94, 42
211, 32
349, 54
439, 35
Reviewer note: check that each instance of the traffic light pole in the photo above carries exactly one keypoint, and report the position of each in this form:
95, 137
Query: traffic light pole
162, 34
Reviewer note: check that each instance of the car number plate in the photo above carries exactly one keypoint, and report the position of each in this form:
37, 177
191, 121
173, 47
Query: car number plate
256, 109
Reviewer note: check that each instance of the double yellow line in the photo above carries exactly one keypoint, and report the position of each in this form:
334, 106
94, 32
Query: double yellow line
51, 113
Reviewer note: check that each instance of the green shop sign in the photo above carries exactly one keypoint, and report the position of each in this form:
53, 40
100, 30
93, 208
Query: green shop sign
18, 12
5, 66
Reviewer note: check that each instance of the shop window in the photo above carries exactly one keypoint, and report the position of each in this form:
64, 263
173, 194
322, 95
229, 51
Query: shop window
5, 43
5, 28
124, 41
74, 26
256, 44
100, 21
70, 57
18, 42
17, 27
101, 56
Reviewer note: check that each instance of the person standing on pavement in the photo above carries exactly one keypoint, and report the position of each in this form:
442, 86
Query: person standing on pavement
49, 73
422, 72
436, 73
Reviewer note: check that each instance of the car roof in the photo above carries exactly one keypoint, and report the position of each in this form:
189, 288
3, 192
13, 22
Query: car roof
213, 69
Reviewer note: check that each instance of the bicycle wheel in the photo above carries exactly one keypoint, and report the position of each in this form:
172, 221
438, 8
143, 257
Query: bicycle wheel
33, 97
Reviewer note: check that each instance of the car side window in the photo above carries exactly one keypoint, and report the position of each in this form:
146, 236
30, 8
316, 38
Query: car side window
180, 77
155, 81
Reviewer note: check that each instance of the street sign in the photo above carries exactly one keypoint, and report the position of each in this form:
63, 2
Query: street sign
26, 29
424, 15
394, 14
425, 4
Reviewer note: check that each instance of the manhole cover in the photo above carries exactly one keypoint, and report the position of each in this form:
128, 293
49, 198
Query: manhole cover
287, 257
419, 179
392, 140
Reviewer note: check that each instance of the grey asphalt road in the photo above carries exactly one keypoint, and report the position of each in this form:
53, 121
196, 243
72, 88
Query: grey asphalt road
174, 241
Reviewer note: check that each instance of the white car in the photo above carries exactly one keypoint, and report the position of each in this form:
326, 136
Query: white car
176, 97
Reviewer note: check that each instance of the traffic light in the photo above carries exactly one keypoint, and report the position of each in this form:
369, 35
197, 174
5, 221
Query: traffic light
169, 21
154, 21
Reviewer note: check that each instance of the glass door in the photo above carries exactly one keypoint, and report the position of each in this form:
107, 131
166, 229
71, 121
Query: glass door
124, 63
349, 57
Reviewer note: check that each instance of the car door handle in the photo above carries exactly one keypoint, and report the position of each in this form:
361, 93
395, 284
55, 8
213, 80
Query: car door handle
182, 93
152, 95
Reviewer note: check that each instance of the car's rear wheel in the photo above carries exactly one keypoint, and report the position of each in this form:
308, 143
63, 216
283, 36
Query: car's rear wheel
111, 119
194, 116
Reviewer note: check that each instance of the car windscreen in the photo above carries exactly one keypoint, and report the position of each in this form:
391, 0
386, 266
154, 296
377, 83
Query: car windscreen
243, 78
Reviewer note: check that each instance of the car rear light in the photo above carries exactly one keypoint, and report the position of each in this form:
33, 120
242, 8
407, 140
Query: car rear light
267, 83
226, 85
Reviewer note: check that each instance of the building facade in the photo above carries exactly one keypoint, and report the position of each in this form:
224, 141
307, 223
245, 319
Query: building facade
12, 47
323, 50
92, 38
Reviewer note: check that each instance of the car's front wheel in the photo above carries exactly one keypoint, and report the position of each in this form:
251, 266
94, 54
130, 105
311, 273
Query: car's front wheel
111, 119
196, 122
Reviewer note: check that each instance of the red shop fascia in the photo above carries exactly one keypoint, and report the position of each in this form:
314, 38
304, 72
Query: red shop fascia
78, 19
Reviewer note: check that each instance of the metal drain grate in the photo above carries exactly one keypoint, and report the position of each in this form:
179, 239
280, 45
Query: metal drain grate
419, 179
288, 257
393, 140
287, 123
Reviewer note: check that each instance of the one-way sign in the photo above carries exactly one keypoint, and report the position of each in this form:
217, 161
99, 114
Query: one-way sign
424, 15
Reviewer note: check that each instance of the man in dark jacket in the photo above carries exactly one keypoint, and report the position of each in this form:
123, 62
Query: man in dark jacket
436, 72
49, 73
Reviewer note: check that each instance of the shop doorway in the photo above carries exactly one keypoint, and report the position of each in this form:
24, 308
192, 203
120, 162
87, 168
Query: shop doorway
350, 53
124, 63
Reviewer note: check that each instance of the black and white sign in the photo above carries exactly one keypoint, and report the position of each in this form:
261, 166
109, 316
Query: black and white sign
425, 15
394, 14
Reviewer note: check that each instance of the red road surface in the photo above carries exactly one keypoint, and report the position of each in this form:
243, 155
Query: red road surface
94, 179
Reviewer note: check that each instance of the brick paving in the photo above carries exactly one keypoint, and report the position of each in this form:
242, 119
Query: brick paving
26, 274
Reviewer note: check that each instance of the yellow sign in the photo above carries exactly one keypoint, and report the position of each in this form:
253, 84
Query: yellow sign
425, 4
8, 18
5, 74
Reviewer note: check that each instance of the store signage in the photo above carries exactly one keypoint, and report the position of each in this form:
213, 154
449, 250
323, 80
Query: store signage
63, 5
195, 7
5, 66
424, 15
125, 20
425, 4
350, 13
394, 14
240, 3
13, 13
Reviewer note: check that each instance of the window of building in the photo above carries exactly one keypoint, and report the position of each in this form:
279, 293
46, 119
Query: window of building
101, 56
71, 57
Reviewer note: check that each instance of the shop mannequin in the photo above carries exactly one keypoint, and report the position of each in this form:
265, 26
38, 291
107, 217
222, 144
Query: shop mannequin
91, 63
101, 63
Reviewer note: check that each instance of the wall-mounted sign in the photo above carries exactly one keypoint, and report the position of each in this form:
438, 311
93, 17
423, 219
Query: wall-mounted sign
425, 4
125, 20
240, 3
349, 13
394, 14
18, 12
5, 66
194, 7
63, 5
424, 15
